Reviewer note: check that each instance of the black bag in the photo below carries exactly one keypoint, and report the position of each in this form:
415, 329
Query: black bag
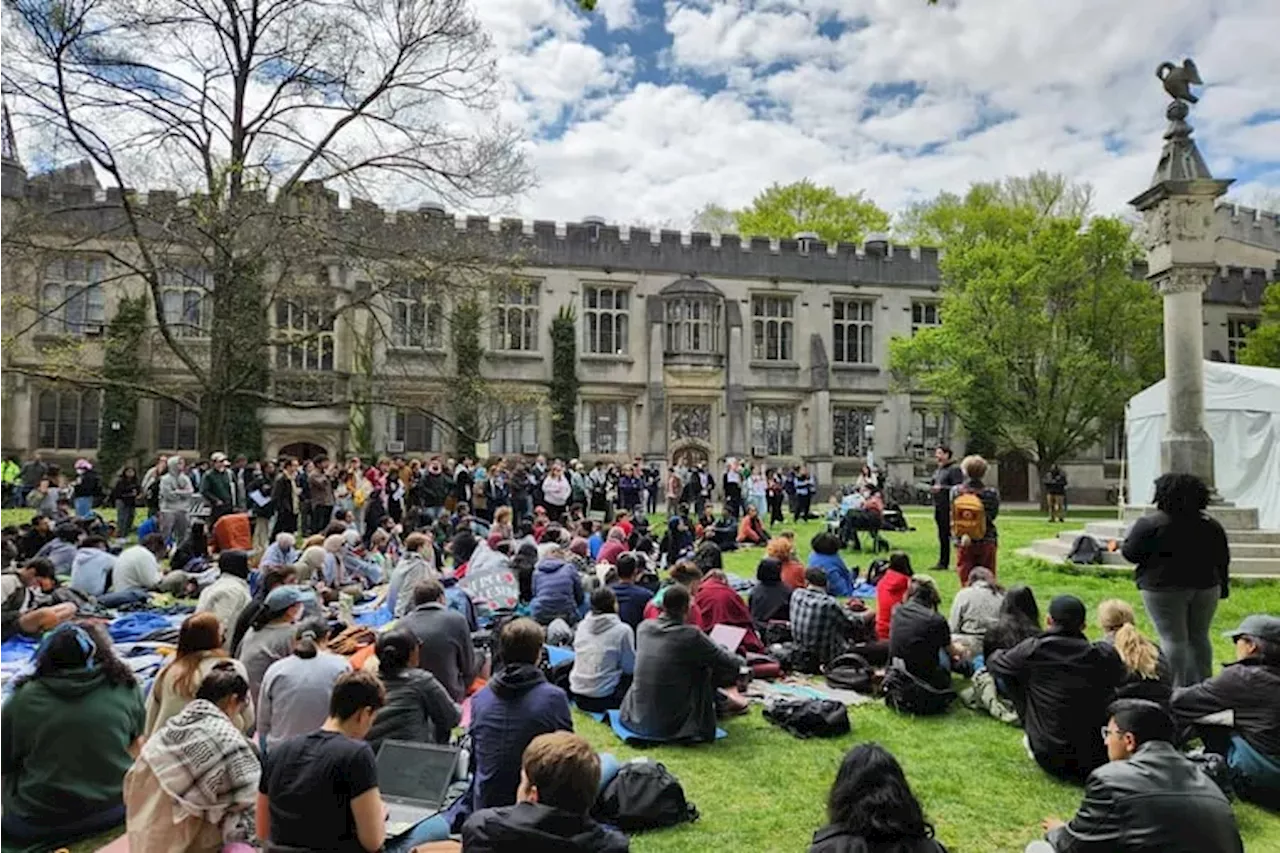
775, 631
1085, 551
907, 694
850, 671
806, 718
643, 795
877, 570
1215, 767
792, 658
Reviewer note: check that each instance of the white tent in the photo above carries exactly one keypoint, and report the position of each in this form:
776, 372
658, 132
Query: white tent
1242, 416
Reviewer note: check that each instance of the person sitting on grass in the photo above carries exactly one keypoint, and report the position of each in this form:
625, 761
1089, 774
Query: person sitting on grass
557, 589
271, 636
604, 650
194, 785
975, 610
1061, 684
91, 569
871, 808
559, 779
825, 555
820, 624
1248, 692
200, 651
770, 598
1017, 620
294, 697
890, 592
444, 639
1147, 797
517, 705
61, 549
71, 730
418, 708
615, 545
632, 597
919, 635
685, 574
319, 791
783, 549
751, 529
1150, 676
673, 695
26, 605
229, 594
720, 604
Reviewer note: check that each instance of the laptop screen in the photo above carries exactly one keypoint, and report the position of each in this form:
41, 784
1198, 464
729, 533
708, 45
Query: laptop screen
415, 771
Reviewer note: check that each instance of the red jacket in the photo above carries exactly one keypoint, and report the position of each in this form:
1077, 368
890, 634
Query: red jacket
890, 592
793, 574
719, 604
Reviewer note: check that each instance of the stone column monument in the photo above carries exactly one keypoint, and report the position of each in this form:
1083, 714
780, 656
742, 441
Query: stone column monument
1177, 210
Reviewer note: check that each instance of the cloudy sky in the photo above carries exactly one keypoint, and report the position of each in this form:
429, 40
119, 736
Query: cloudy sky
646, 110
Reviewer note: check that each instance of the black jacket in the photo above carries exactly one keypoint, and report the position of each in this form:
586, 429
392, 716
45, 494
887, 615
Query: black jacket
1250, 689
538, 828
1178, 553
1061, 684
1154, 800
836, 839
947, 476
916, 634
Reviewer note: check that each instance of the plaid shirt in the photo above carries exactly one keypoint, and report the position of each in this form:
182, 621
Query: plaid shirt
820, 624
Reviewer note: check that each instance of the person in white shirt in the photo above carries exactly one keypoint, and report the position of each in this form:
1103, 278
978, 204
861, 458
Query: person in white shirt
137, 567
229, 595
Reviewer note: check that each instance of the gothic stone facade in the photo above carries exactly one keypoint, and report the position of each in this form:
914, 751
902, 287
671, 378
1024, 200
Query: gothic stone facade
693, 347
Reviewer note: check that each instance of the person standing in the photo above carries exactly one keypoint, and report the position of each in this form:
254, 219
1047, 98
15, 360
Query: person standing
285, 499
974, 507
86, 488
176, 492
217, 490
1055, 490
10, 475
732, 485
33, 471
124, 497
1182, 563
805, 489
322, 500
945, 476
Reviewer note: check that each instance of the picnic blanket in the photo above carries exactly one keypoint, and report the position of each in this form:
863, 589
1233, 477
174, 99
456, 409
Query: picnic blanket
634, 739
802, 687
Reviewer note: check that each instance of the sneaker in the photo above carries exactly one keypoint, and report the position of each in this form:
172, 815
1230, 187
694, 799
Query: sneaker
939, 568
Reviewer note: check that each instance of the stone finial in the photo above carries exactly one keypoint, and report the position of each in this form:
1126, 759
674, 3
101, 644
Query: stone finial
1178, 80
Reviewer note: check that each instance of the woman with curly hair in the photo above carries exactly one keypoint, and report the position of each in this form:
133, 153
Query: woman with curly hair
71, 731
871, 807
1182, 562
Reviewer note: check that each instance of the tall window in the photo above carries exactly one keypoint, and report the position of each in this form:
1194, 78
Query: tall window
68, 420
773, 329
188, 311
773, 430
304, 333
179, 428
693, 325
852, 329
417, 317
416, 431
72, 300
516, 431
1237, 329
606, 319
515, 316
849, 430
924, 315
604, 426
930, 427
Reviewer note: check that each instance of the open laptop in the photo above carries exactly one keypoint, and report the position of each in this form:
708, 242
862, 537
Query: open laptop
413, 779
727, 637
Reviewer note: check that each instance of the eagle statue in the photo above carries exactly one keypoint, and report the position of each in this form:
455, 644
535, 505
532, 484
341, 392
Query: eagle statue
1178, 80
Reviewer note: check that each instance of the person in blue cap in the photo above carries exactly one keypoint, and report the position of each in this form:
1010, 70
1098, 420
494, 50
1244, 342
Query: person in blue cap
1237, 712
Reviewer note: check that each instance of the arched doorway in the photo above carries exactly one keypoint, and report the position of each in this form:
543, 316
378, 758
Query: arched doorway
303, 450
690, 456
1013, 479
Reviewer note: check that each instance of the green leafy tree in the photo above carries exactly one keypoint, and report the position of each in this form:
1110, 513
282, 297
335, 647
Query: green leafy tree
1045, 332
122, 359
1262, 345
564, 383
782, 212
950, 216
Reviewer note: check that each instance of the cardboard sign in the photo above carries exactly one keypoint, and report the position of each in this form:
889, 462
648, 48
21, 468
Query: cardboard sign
495, 585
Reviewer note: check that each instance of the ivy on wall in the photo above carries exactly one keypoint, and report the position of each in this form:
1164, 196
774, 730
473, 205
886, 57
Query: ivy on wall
564, 384
468, 390
122, 360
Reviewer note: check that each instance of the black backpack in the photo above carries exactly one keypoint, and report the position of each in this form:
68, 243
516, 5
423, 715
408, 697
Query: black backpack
877, 570
1085, 551
905, 693
806, 718
792, 658
849, 671
643, 795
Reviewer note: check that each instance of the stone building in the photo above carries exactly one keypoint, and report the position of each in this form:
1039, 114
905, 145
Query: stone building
691, 346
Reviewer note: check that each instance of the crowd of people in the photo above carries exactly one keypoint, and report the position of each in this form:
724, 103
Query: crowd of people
268, 699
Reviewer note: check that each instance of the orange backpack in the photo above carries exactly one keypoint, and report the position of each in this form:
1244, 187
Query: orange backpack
968, 516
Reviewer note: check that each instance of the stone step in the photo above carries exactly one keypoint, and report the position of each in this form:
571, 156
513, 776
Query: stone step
1231, 517
1268, 546
1117, 530
1056, 550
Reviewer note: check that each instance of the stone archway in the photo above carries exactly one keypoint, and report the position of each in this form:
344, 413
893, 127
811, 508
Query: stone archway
303, 450
690, 455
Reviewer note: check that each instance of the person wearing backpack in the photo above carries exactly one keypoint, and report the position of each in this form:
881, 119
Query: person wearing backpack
559, 779
974, 507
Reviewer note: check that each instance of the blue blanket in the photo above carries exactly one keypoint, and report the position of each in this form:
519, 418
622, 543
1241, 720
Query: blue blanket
372, 618
557, 655
632, 739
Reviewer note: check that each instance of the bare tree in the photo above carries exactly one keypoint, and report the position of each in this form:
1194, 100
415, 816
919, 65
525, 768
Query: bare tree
250, 108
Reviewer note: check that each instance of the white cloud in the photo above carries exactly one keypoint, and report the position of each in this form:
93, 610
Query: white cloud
618, 14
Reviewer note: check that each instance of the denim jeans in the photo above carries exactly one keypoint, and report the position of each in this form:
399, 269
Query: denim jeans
84, 506
1182, 618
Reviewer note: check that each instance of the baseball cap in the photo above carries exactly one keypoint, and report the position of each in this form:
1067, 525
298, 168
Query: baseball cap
1258, 625
1068, 612
282, 598
218, 457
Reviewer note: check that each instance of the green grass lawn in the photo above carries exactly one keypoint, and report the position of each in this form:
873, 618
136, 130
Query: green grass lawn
763, 790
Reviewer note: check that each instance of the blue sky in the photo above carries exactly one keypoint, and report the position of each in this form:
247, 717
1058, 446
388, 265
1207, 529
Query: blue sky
644, 111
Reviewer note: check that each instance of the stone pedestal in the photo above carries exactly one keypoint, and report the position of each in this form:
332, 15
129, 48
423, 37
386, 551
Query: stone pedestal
1186, 447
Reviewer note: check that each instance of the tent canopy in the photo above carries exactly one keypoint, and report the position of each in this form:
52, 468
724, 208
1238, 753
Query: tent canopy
1242, 416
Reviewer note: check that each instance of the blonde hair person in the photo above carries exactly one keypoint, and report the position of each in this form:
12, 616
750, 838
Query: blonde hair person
1116, 618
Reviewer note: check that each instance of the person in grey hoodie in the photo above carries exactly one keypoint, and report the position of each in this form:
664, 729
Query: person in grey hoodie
92, 567
604, 649
417, 564
176, 492
61, 549
557, 590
